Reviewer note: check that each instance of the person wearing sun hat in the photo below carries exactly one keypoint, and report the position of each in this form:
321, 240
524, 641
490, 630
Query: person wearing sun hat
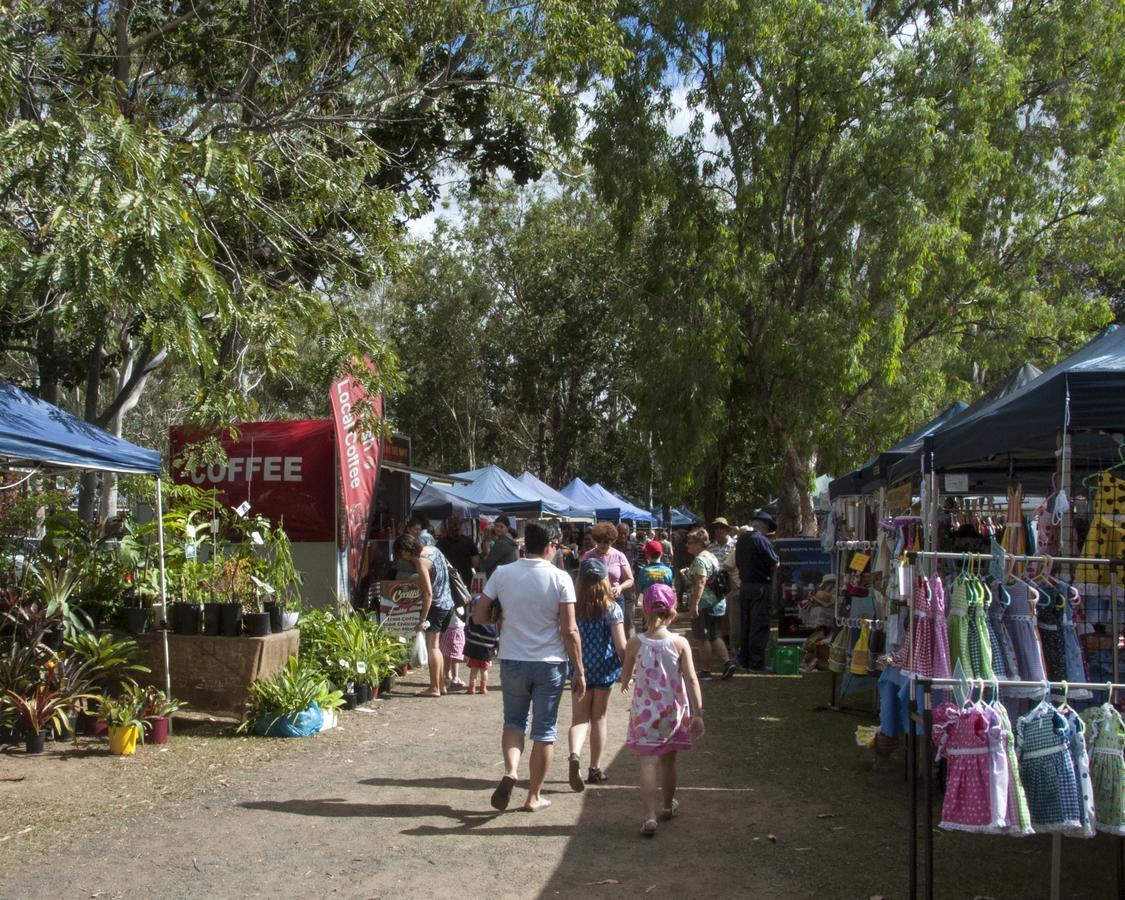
757, 561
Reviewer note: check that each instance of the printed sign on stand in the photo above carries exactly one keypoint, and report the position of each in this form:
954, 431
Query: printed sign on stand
400, 605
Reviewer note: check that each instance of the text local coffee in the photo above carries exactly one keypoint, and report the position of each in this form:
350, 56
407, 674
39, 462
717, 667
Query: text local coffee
355, 462
268, 468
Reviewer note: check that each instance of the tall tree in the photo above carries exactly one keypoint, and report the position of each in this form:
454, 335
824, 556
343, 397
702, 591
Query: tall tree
214, 183
863, 201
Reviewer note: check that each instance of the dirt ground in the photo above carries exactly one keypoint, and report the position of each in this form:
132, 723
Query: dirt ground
777, 802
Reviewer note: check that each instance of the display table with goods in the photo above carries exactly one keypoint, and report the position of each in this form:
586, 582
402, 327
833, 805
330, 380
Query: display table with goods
214, 674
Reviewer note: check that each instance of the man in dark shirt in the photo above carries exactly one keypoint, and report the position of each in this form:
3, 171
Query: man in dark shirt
460, 550
504, 549
756, 561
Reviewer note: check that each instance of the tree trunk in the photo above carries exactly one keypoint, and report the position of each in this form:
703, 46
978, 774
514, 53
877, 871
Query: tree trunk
88, 485
795, 514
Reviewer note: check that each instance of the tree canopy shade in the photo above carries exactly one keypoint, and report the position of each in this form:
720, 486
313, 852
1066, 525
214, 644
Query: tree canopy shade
865, 208
32, 430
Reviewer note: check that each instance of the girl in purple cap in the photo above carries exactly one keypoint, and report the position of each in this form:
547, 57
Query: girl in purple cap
661, 720
602, 627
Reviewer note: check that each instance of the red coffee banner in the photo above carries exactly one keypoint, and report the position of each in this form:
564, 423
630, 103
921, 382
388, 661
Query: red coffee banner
284, 469
358, 452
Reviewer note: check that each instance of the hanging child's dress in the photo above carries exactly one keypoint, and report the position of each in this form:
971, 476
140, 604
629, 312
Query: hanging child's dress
1019, 817
1081, 771
941, 635
1049, 611
1003, 653
969, 739
980, 649
1075, 659
1105, 733
958, 626
917, 654
1019, 621
1047, 770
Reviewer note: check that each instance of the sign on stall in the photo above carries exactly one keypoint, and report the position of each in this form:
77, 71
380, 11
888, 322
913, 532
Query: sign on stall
957, 483
400, 605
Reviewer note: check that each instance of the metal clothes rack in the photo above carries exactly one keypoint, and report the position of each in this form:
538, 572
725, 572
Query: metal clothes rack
841, 622
926, 721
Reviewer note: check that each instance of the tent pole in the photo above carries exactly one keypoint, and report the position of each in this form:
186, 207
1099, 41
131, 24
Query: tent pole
163, 582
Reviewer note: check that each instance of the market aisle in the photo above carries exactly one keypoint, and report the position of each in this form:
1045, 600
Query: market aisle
778, 802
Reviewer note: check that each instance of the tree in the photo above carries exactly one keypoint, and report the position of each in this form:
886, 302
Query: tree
864, 200
213, 184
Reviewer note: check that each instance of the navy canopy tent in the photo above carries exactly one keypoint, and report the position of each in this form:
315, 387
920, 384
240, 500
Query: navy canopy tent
435, 502
1083, 395
873, 474
35, 431
629, 510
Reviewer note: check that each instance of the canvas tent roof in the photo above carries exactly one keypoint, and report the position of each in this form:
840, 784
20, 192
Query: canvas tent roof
1025, 424
873, 473
549, 493
35, 431
629, 510
910, 465
492, 486
435, 502
583, 495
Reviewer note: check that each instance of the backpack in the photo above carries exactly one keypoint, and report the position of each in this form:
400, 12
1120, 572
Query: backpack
720, 582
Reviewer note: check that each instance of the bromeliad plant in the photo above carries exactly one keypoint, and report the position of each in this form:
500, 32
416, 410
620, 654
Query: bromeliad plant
124, 711
156, 704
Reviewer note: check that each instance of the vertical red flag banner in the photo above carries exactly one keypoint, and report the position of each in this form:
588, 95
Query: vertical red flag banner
358, 451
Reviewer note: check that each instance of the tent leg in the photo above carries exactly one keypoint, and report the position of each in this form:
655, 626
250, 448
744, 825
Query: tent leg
163, 583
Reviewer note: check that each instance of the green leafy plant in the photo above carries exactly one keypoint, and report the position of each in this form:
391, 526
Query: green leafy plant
124, 710
294, 689
55, 590
41, 707
111, 661
156, 704
337, 647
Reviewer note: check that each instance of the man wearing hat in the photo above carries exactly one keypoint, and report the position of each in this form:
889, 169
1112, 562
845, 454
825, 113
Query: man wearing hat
756, 561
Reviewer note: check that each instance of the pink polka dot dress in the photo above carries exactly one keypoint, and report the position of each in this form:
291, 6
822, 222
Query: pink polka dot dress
977, 784
659, 719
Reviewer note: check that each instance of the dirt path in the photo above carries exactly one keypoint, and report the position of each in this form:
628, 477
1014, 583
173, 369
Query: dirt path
778, 802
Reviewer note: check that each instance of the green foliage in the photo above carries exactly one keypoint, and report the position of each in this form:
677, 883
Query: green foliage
111, 662
335, 648
292, 690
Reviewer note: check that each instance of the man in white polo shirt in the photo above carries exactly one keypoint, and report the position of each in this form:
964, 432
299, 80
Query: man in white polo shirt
538, 632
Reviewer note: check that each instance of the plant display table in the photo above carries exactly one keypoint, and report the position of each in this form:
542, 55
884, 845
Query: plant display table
213, 674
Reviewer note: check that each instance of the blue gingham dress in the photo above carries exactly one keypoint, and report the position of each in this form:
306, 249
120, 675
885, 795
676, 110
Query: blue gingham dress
1043, 746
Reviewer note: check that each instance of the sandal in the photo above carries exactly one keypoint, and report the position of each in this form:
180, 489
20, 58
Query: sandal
503, 793
596, 776
649, 828
670, 811
576, 784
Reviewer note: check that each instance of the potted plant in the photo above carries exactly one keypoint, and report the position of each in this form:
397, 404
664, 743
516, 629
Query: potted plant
38, 710
122, 716
156, 713
286, 705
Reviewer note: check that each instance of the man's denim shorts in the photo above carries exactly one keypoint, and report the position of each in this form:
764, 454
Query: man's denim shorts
534, 686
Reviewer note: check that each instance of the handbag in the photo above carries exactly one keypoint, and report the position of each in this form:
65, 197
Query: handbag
838, 652
462, 599
861, 651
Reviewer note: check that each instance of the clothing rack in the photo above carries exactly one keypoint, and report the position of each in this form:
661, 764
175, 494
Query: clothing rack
848, 622
926, 721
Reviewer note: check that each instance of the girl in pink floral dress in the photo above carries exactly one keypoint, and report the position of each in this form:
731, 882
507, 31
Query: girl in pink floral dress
661, 720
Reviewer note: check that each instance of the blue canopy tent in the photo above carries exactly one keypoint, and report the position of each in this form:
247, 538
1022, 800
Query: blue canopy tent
34, 432
629, 510
436, 502
583, 495
681, 517
492, 486
548, 492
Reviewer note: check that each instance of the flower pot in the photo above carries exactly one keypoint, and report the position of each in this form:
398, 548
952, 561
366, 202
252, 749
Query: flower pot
212, 619
274, 612
33, 743
289, 620
349, 699
64, 732
89, 725
136, 619
158, 729
257, 624
123, 740
386, 683
185, 617
232, 619
362, 693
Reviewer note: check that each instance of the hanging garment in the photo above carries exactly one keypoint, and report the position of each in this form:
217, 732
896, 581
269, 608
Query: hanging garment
1049, 609
1014, 540
958, 625
1047, 770
1019, 817
969, 740
1081, 771
941, 634
1076, 669
1106, 537
1105, 736
917, 655
1019, 621
1003, 653
861, 651
980, 649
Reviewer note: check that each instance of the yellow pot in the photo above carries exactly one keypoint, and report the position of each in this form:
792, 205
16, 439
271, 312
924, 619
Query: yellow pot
123, 740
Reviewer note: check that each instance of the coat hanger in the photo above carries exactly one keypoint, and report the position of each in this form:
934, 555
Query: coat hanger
1065, 708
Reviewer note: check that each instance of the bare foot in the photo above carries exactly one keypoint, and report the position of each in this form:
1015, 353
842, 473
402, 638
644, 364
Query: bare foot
535, 806
429, 694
